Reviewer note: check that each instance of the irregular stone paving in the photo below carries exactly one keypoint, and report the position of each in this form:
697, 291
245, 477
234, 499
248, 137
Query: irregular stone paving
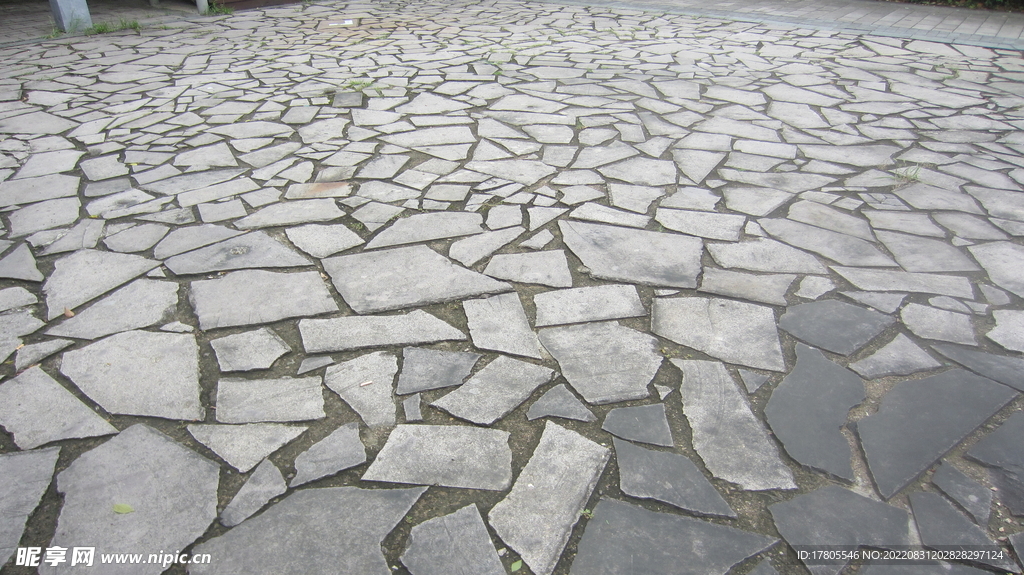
232, 248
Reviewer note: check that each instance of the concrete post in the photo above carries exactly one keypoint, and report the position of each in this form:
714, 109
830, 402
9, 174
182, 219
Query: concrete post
71, 15
203, 6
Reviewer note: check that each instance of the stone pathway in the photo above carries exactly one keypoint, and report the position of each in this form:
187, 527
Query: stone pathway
509, 287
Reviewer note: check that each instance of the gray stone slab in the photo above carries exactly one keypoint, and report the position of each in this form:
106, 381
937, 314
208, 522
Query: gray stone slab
642, 423
28, 190
634, 256
140, 373
709, 225
733, 331
752, 380
548, 268
259, 400
470, 250
835, 516
265, 483
291, 213
942, 526
244, 446
141, 303
86, 274
809, 408
925, 197
251, 250
833, 325
19, 264
454, 543
425, 369
1017, 541
901, 356
755, 201
1004, 369
922, 568
560, 402
36, 410
313, 363
1002, 453
339, 529
170, 510
321, 241
411, 406
920, 420
899, 281
968, 493
537, 516
16, 323
770, 289
495, 390
135, 239
765, 255
593, 212
623, 538
404, 277
499, 323
338, 451
190, 181
604, 362
246, 351
33, 353
909, 222
844, 249
257, 296
595, 303
933, 323
35, 123
1002, 261
366, 385
445, 455
84, 235
638, 198
339, 334
185, 239
25, 477
426, 227
667, 477
745, 456
917, 254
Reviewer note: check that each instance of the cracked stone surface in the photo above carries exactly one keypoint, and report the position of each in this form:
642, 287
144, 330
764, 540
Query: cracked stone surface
260, 232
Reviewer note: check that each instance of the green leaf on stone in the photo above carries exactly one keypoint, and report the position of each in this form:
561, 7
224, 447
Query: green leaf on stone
516, 566
122, 508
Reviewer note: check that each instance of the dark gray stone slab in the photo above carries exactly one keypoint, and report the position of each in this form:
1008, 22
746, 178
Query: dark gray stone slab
365, 383
942, 526
339, 529
446, 455
495, 390
746, 455
624, 538
263, 485
1018, 545
86, 274
250, 297
404, 277
971, 495
257, 400
901, 356
140, 373
594, 303
537, 516
643, 423
807, 410
604, 362
141, 303
733, 331
425, 227
243, 446
20, 265
559, 402
251, 250
835, 516
25, 477
171, 509
635, 256
1002, 451
454, 543
36, 410
1004, 369
833, 325
338, 334
920, 420
338, 451
499, 323
667, 477
425, 369
246, 351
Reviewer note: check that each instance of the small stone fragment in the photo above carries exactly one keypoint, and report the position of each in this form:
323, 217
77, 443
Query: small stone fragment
560, 402
338, 451
901, 356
